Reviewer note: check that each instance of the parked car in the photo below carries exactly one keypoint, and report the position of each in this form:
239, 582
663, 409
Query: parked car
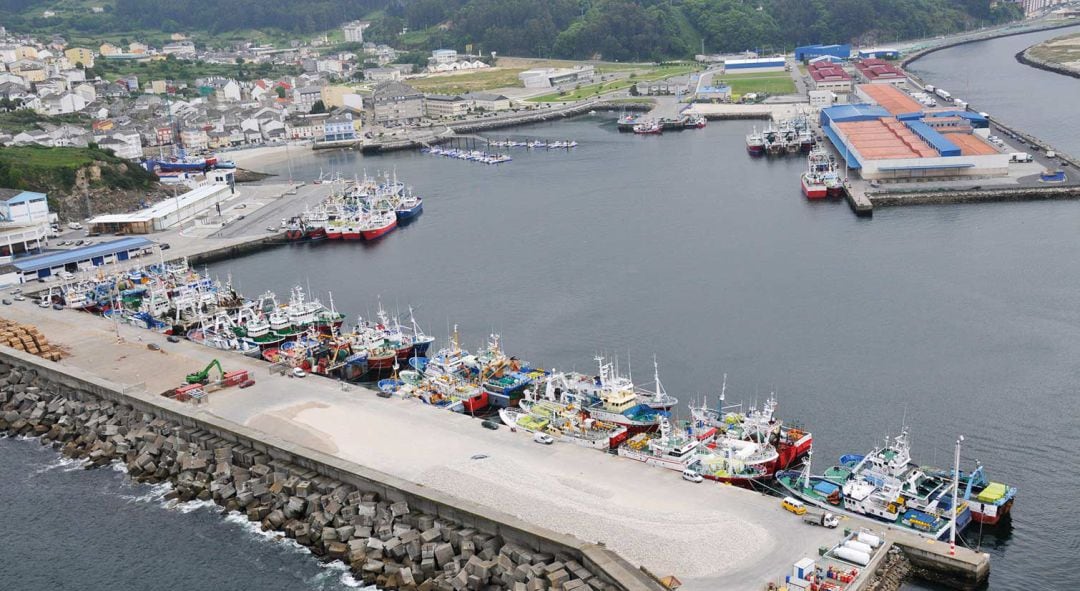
164, 246
692, 475
247, 383
794, 505
543, 438
489, 425
298, 373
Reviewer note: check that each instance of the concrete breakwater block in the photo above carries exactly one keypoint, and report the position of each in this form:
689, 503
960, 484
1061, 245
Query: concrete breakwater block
388, 544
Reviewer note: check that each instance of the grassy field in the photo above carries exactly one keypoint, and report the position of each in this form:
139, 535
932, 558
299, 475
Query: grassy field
21, 120
591, 90
1060, 50
759, 82
468, 82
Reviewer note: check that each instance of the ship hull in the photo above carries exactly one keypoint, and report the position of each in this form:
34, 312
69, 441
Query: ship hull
814, 190
378, 232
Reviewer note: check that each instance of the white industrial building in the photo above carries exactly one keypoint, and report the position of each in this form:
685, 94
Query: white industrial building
163, 215
549, 77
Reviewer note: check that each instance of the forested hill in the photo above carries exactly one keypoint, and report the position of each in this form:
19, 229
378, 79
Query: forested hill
608, 29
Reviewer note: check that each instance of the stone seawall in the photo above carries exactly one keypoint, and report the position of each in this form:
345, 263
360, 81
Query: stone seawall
980, 196
1024, 57
392, 533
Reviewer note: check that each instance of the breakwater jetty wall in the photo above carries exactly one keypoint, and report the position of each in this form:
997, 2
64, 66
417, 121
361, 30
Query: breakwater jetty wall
1025, 57
1008, 32
937, 197
392, 533
236, 249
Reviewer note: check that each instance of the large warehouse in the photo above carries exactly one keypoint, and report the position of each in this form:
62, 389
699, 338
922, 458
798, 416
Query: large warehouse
163, 215
76, 259
896, 138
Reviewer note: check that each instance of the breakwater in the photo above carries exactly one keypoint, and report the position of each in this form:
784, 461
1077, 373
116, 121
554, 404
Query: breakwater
1006, 32
390, 532
885, 199
1025, 57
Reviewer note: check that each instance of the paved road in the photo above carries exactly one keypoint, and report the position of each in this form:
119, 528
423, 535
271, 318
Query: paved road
276, 204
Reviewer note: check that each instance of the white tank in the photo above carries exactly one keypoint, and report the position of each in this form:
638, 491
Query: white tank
853, 556
869, 539
861, 547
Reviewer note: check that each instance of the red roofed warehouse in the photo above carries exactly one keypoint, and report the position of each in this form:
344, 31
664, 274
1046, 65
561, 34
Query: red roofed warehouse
877, 71
829, 76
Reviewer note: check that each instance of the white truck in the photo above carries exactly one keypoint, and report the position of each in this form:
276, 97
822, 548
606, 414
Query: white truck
822, 518
1019, 157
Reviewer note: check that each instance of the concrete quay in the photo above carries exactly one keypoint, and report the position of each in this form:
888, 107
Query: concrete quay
710, 536
606, 513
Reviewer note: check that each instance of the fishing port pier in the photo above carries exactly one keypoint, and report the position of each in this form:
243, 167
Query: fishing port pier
554, 501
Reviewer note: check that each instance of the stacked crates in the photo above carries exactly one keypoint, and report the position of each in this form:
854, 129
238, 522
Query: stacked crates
25, 337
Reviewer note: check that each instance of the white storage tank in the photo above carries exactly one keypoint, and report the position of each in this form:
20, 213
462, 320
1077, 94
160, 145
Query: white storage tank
856, 545
853, 556
869, 539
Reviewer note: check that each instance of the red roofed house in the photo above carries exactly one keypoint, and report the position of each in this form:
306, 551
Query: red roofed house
829, 76
875, 71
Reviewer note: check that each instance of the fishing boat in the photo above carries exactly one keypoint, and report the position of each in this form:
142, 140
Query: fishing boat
377, 224
761, 426
989, 501
649, 128
563, 423
883, 485
408, 208
673, 449
658, 399
607, 397
755, 143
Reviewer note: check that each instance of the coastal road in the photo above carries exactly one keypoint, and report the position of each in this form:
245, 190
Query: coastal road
711, 536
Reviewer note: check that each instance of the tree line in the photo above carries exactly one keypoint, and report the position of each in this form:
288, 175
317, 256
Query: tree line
580, 29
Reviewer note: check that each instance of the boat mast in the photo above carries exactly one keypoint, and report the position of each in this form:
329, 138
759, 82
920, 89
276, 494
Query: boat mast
955, 485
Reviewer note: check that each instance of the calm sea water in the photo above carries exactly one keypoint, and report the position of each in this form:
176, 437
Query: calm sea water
65, 528
953, 319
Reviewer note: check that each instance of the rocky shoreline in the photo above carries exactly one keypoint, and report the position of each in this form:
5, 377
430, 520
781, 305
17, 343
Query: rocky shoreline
384, 543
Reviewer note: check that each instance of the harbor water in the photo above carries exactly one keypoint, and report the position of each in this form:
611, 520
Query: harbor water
66, 529
954, 319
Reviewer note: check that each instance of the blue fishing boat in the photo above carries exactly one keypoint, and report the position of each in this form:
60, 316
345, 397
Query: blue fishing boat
408, 208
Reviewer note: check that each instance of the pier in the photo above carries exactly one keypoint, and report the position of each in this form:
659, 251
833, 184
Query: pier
609, 515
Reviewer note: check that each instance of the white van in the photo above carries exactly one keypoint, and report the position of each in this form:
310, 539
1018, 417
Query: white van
74, 226
691, 475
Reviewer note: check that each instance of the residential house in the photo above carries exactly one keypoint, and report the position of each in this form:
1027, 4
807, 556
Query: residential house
444, 56
442, 106
339, 128
165, 135
8, 77
138, 48
74, 76
30, 70
86, 91
69, 136
354, 31
392, 104
329, 66
487, 102
9, 53
179, 48
382, 74
130, 150
307, 127
159, 86
194, 138
304, 98
80, 55
108, 49
63, 103
230, 91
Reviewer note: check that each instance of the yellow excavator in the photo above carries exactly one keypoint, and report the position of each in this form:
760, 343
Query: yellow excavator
202, 377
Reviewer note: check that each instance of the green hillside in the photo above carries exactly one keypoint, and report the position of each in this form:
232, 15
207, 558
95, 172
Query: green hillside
578, 29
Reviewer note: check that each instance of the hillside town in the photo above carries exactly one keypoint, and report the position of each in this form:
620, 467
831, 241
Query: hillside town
331, 97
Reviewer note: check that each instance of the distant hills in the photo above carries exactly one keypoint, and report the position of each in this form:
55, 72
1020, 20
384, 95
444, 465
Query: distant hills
579, 29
